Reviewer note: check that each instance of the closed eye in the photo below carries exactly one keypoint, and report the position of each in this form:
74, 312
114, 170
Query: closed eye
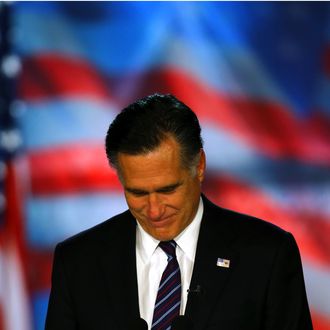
137, 193
169, 189
163, 190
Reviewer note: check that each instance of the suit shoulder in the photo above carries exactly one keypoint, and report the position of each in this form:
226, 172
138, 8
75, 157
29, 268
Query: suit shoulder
108, 230
246, 227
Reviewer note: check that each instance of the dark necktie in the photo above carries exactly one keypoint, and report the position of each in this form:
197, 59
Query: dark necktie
167, 306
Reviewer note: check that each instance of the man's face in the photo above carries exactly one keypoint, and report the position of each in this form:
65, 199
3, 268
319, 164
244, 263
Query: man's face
161, 194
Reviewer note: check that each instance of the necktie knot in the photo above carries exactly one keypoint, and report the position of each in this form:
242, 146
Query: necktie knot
169, 248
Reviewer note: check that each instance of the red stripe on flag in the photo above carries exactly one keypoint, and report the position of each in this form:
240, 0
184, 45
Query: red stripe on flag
319, 125
40, 270
320, 322
14, 227
311, 231
45, 76
71, 168
2, 324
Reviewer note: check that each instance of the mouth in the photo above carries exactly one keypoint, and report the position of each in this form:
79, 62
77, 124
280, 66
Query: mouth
162, 222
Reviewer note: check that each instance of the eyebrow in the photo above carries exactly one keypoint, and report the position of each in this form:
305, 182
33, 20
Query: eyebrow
159, 190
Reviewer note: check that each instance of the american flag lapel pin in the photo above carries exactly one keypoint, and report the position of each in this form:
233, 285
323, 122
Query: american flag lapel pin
225, 263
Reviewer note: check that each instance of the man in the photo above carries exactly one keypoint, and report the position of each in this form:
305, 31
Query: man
174, 252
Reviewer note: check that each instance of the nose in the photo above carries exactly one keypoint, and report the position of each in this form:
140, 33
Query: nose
155, 208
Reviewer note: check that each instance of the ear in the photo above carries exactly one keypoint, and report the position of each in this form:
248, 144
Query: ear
201, 166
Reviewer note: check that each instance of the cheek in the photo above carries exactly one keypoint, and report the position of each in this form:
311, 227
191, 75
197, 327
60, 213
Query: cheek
176, 200
134, 203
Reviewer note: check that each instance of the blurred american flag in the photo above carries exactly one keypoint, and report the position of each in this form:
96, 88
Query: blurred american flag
14, 300
256, 74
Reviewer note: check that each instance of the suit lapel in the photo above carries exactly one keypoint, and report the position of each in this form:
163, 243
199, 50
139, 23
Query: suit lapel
118, 262
213, 243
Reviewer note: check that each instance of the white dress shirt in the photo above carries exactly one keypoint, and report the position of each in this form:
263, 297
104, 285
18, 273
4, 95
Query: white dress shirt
151, 261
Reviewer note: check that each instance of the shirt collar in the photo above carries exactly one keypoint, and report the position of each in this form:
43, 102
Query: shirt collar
186, 240
145, 243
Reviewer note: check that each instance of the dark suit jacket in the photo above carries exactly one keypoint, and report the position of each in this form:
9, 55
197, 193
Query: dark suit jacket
94, 282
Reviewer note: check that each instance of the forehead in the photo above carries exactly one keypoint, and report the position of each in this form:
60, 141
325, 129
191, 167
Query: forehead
161, 166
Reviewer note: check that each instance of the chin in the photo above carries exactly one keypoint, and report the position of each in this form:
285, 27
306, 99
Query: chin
164, 236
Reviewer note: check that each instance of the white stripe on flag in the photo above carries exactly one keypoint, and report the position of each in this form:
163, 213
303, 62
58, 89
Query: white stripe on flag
13, 296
